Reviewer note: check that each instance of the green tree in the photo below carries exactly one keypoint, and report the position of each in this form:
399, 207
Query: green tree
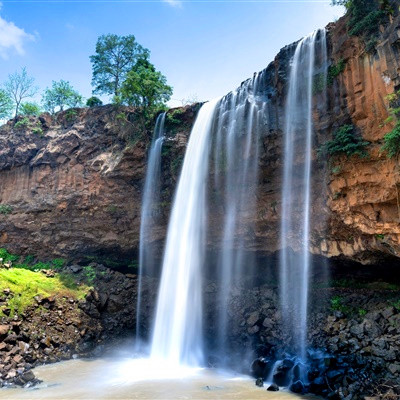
6, 104
115, 57
30, 109
20, 86
61, 96
145, 87
93, 102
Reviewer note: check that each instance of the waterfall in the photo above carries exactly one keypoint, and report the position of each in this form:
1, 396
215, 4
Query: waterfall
236, 154
177, 337
296, 207
149, 213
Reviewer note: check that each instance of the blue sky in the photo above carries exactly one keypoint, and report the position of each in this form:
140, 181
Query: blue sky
205, 48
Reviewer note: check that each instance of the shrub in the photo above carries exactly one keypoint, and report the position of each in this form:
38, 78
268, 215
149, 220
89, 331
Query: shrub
37, 130
30, 109
346, 142
392, 142
335, 70
22, 123
94, 102
70, 115
5, 209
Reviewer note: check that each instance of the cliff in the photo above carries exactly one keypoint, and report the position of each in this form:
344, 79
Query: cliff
70, 186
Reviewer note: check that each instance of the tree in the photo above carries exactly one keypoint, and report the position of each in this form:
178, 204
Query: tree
20, 86
94, 102
145, 87
6, 104
61, 95
115, 57
30, 109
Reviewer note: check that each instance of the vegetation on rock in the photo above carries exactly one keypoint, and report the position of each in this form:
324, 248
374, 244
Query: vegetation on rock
345, 142
365, 17
93, 102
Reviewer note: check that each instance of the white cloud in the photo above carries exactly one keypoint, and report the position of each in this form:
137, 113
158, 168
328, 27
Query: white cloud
174, 3
12, 38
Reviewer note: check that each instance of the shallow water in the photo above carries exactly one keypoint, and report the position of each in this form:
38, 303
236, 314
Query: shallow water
138, 379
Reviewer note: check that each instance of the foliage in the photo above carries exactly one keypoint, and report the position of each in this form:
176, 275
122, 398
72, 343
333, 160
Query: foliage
29, 262
392, 142
5, 209
337, 304
319, 83
362, 312
392, 139
6, 104
37, 130
115, 57
70, 115
346, 142
61, 95
173, 117
145, 88
335, 70
22, 123
30, 109
94, 102
20, 86
90, 273
365, 17
25, 285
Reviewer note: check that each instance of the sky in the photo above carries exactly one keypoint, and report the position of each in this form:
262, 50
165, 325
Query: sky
205, 48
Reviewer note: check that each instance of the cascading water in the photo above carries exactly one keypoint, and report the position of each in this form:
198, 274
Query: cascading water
149, 213
177, 337
236, 154
296, 207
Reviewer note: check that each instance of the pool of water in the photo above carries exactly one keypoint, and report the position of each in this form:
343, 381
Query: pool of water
139, 379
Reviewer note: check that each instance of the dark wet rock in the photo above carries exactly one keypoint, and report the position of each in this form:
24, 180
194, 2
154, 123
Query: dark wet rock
259, 382
261, 367
297, 387
273, 388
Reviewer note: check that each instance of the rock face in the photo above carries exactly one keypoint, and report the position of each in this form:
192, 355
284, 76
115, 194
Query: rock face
75, 190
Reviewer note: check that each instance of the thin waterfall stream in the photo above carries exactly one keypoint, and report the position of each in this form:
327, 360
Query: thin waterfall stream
149, 213
296, 189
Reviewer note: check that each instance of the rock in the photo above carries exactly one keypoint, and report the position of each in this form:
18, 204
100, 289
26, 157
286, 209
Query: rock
259, 382
253, 318
297, 387
260, 367
273, 388
4, 331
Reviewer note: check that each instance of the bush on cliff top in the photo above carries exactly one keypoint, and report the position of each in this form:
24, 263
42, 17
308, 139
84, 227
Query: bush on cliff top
345, 142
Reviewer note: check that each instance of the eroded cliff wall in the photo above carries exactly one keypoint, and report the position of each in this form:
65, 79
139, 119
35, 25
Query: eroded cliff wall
75, 190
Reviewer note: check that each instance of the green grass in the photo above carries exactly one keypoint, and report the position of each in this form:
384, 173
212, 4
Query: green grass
25, 285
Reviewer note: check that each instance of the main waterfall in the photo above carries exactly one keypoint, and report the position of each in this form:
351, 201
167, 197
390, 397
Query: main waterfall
177, 336
295, 255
